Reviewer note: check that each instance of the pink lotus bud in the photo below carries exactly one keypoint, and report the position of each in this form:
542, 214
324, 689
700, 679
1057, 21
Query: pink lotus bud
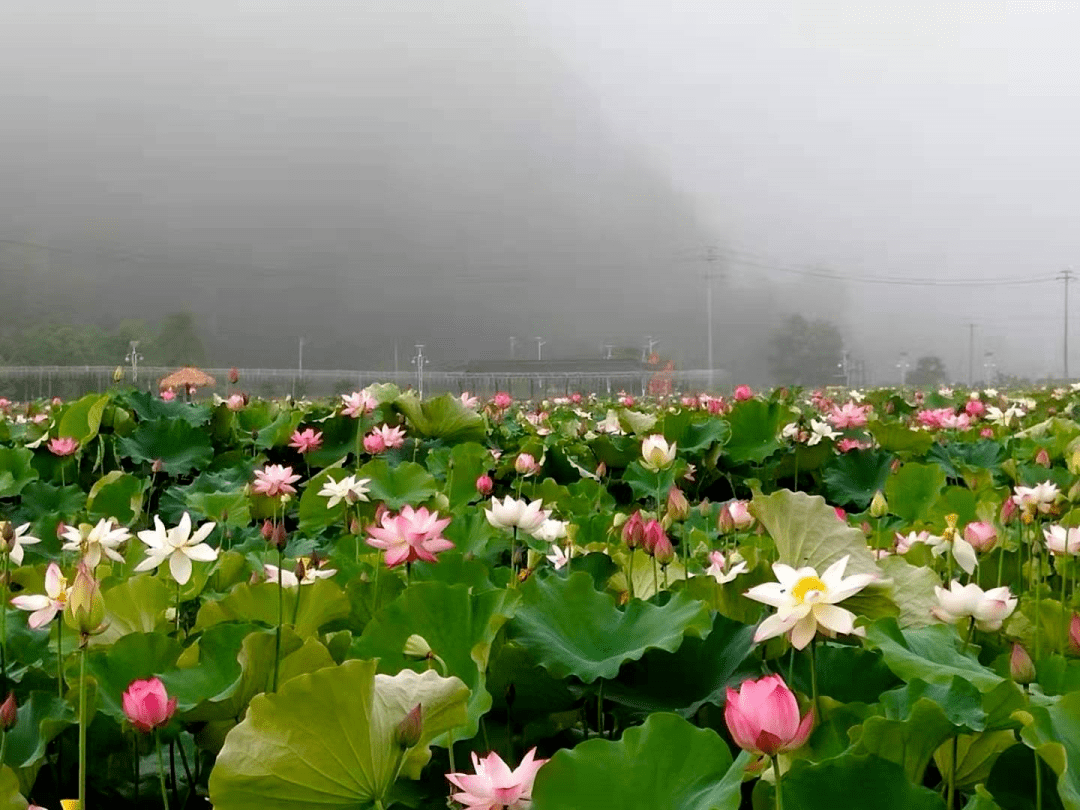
987, 433
1021, 667
974, 408
575, 398
235, 402
380, 513
678, 508
525, 464
740, 514
763, 717
147, 705
61, 527
234, 375
1074, 634
894, 466
627, 401
725, 524
633, 531
9, 712
1008, 511
354, 526
982, 536
374, 443
841, 514
663, 551
1042, 458
409, 730
85, 609
168, 395
601, 470
267, 529
279, 537
651, 535
502, 400
157, 466
743, 393
484, 485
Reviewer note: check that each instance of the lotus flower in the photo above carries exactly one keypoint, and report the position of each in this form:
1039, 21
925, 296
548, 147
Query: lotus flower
147, 705
511, 513
274, 480
310, 572
63, 446
358, 403
97, 541
392, 437
988, 608
410, 535
178, 545
763, 717
803, 600
18, 539
1037, 499
348, 489
45, 606
1060, 540
306, 441
717, 564
494, 786
849, 415
657, 453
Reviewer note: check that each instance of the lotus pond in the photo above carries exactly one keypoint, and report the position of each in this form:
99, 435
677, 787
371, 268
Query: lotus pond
792, 599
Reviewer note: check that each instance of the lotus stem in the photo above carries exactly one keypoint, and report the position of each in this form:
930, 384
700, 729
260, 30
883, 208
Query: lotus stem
178, 610
630, 575
161, 771
1064, 620
82, 727
60, 656
951, 795
136, 757
779, 783
1038, 782
1001, 566
813, 675
599, 710
280, 615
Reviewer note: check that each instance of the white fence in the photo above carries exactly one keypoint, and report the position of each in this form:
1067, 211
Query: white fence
22, 383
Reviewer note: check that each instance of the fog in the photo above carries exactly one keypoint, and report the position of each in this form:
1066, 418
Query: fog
372, 174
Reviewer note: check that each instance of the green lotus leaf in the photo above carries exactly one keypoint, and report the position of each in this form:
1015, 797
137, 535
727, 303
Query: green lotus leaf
327, 739
1012, 781
313, 514
807, 532
666, 763
149, 408
457, 625
549, 623
41, 717
320, 602
10, 797
209, 670
637, 422
913, 490
912, 590
136, 605
82, 418
367, 595
852, 479
459, 466
180, 447
933, 654
646, 483
118, 495
136, 656
339, 439
976, 755
442, 417
835, 665
407, 483
755, 428
616, 451
700, 436
896, 438
852, 780
15, 470
46, 505
918, 718
1058, 726
682, 681
230, 508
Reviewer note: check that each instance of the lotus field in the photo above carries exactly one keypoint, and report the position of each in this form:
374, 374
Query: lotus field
794, 600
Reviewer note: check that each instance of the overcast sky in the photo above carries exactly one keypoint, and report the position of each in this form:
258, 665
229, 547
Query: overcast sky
895, 141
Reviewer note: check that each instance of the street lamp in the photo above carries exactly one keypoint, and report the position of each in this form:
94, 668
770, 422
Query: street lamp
133, 357
903, 365
419, 361
539, 344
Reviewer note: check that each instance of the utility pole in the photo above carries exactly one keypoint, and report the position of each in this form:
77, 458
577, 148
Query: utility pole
903, 365
710, 257
539, 345
971, 355
1065, 276
513, 347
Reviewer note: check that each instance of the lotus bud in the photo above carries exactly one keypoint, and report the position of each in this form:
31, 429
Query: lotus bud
416, 646
300, 570
633, 531
9, 712
280, 537
525, 464
740, 514
1008, 511
234, 375
354, 526
267, 530
1021, 667
484, 485
409, 730
601, 470
663, 551
442, 503
981, 536
651, 535
7, 535
1042, 458
841, 514
894, 466
704, 508
1074, 634
157, 466
724, 522
118, 374
678, 508
380, 512
879, 507
85, 609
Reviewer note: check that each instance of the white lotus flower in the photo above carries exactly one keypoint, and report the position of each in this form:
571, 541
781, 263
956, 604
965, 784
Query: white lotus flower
20, 539
512, 513
178, 545
718, 564
312, 573
45, 606
93, 542
558, 557
656, 453
348, 489
988, 608
820, 430
1039, 498
803, 600
550, 531
1060, 540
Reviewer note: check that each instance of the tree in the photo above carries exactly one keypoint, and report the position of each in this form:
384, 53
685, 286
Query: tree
929, 371
807, 353
177, 343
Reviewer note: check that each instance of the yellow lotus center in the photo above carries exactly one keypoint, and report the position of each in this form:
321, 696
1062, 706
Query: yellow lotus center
804, 586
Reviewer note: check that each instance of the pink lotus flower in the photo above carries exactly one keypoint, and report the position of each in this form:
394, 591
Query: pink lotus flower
849, 415
743, 393
374, 444
982, 536
234, 375
763, 717
410, 535
652, 535
525, 464
495, 786
848, 444
502, 400
63, 446
235, 402
147, 705
841, 514
575, 398
735, 516
469, 401
393, 437
168, 395
987, 433
274, 480
306, 441
974, 408
1060, 540
358, 403
45, 606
